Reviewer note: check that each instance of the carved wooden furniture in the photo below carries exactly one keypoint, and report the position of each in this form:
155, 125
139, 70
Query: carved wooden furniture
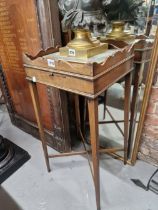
29, 26
88, 78
142, 55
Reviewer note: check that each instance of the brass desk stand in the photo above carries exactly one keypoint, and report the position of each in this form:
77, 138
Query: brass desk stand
88, 78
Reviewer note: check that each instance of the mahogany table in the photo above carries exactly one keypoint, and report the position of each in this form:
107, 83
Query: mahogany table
88, 78
142, 54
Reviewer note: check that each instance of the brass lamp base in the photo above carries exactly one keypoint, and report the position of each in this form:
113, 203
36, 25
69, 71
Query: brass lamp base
82, 40
83, 46
83, 53
118, 33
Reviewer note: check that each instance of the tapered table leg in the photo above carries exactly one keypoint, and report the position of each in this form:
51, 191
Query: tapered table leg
93, 121
128, 79
36, 105
105, 104
77, 113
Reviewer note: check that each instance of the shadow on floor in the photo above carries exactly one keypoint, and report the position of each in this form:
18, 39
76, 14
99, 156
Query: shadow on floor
7, 202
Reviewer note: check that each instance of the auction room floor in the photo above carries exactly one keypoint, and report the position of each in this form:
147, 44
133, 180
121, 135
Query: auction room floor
69, 186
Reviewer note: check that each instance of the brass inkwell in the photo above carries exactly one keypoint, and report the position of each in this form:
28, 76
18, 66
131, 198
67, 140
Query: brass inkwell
83, 18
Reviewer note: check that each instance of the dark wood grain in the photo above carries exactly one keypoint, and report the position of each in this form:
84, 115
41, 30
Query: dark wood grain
48, 14
22, 24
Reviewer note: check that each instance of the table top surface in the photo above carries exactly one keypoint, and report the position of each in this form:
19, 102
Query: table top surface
95, 59
87, 77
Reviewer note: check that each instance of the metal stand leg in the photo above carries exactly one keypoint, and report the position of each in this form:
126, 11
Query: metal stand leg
127, 113
36, 105
93, 120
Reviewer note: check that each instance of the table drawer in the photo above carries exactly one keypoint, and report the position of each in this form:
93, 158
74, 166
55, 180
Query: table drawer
61, 81
82, 85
